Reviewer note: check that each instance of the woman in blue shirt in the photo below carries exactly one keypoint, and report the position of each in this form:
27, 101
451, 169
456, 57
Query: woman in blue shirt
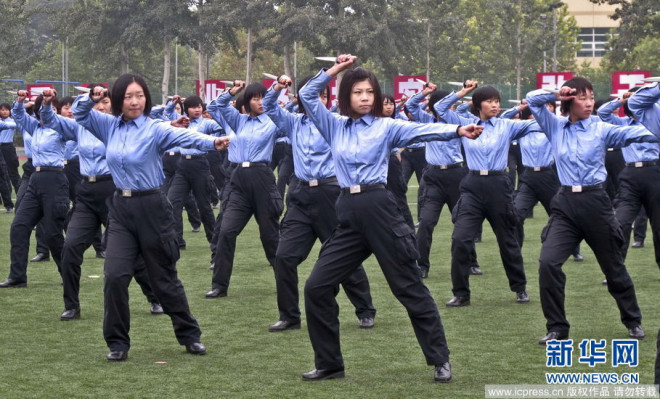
582, 209
369, 219
140, 216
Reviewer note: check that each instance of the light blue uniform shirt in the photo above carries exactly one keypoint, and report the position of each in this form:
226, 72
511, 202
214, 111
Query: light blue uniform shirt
134, 148
464, 111
579, 148
644, 104
361, 147
254, 137
204, 126
27, 144
635, 152
490, 150
91, 150
70, 150
312, 158
158, 112
47, 144
535, 149
7, 129
437, 152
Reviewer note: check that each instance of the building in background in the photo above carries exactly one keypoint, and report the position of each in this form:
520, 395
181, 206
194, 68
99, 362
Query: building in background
595, 23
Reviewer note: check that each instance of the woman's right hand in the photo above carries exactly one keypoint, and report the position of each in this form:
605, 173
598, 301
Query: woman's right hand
98, 93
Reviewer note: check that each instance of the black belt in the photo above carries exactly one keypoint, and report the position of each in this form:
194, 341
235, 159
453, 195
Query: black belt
193, 156
172, 153
137, 193
579, 189
330, 181
6, 143
48, 169
248, 164
445, 167
484, 172
71, 161
415, 149
538, 168
642, 164
94, 179
362, 188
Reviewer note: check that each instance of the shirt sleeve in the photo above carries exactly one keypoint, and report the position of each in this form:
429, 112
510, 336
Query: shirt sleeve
325, 122
97, 123
415, 109
510, 113
548, 121
22, 119
67, 127
606, 113
622, 136
644, 105
443, 109
402, 133
170, 136
170, 111
284, 120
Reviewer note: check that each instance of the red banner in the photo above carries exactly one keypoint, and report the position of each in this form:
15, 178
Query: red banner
552, 80
408, 86
35, 90
284, 94
212, 89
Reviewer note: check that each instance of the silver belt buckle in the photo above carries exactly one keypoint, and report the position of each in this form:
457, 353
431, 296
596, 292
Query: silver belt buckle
126, 193
639, 164
66, 162
38, 168
576, 189
443, 167
188, 156
483, 172
91, 179
171, 153
610, 149
313, 183
537, 168
245, 164
355, 189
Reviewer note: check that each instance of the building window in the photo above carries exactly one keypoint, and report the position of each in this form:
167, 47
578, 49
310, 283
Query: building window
594, 42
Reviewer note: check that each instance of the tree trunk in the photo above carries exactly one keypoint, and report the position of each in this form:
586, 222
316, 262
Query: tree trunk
248, 69
287, 62
165, 85
124, 58
200, 69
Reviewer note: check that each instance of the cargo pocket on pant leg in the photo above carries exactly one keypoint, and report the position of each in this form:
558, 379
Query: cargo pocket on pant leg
275, 203
546, 229
405, 243
457, 209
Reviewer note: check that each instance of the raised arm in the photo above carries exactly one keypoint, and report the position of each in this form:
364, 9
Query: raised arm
536, 101
414, 107
645, 107
606, 113
324, 120
284, 120
20, 117
97, 123
443, 109
221, 109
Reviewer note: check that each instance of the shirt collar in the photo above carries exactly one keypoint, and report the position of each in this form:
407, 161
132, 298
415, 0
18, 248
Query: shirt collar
583, 123
490, 121
261, 118
368, 119
138, 122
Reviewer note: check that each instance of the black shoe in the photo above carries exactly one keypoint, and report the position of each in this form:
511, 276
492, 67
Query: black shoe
442, 373
117, 356
182, 246
100, 254
552, 335
638, 244
13, 283
9, 210
367, 322
70, 314
320, 375
283, 325
475, 271
522, 297
423, 272
578, 257
216, 293
40, 258
636, 332
156, 308
196, 348
458, 301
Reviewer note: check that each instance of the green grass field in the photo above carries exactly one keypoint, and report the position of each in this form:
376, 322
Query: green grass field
493, 341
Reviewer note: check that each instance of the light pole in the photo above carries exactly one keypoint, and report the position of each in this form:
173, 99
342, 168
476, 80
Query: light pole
428, 48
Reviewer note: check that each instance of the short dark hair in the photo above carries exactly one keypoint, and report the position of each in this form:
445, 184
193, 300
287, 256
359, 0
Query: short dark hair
436, 96
525, 113
253, 90
484, 93
302, 83
5, 106
192, 101
240, 102
581, 86
68, 100
390, 98
626, 109
37, 105
352, 77
119, 91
